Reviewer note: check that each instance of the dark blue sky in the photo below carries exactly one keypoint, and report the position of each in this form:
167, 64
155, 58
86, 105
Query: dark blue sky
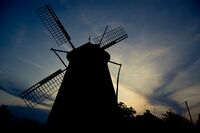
161, 56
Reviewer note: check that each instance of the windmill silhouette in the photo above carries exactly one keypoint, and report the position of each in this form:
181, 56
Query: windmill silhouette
86, 92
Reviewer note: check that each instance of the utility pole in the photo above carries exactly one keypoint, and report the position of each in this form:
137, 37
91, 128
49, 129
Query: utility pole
189, 112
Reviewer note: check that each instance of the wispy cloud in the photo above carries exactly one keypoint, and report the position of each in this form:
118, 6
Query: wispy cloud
19, 37
62, 1
9, 92
160, 65
9, 98
10, 88
1, 72
160, 59
29, 62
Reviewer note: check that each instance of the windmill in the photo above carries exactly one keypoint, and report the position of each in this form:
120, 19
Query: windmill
85, 89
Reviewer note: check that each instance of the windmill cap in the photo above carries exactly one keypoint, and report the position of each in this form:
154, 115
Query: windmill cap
88, 53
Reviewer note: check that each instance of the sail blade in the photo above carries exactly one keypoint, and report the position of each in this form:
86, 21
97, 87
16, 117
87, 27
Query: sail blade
43, 89
53, 24
111, 37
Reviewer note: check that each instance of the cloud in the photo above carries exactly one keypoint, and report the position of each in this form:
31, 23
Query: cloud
1, 72
160, 59
10, 91
30, 62
10, 87
19, 38
191, 94
139, 68
61, 1
47, 103
40, 115
186, 87
183, 74
132, 98
158, 64
7, 97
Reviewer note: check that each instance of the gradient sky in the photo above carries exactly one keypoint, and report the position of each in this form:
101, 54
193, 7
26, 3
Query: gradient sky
160, 58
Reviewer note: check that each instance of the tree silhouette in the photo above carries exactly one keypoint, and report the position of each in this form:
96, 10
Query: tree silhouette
176, 121
198, 123
9, 122
5, 116
128, 121
127, 112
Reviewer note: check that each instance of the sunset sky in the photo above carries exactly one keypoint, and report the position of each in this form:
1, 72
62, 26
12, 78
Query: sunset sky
160, 58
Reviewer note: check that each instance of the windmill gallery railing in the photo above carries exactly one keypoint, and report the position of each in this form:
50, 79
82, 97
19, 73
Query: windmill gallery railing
43, 89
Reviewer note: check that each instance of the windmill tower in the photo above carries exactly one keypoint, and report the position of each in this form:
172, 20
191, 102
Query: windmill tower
86, 93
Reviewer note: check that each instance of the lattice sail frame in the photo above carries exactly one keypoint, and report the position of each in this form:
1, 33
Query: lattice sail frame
111, 37
53, 24
43, 89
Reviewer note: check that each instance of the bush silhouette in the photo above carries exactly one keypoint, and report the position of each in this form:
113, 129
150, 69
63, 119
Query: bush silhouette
129, 121
176, 121
9, 122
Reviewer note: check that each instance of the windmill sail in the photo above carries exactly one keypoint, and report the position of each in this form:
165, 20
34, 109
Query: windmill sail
111, 37
54, 25
43, 89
